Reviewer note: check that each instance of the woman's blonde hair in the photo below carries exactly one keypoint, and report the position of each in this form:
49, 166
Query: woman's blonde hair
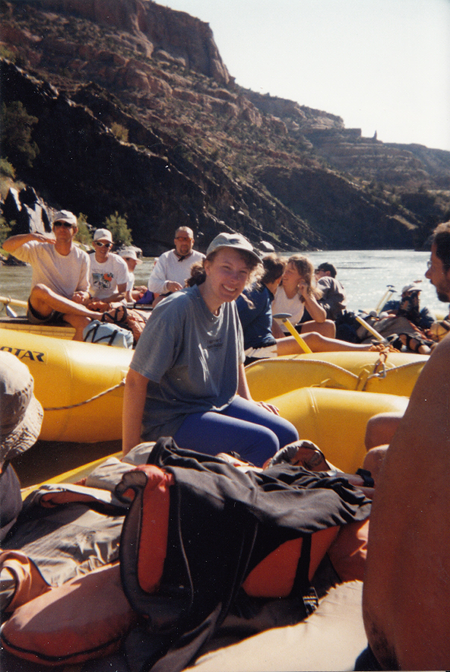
305, 268
198, 273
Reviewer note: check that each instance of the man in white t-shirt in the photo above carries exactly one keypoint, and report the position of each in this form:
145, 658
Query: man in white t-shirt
60, 279
173, 268
108, 273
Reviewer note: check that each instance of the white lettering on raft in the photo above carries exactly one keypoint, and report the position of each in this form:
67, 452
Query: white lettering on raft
22, 353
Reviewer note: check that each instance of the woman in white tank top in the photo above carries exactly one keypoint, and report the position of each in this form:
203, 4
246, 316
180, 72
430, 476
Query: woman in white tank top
298, 291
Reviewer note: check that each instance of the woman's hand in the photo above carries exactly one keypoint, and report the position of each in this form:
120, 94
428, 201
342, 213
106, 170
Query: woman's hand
317, 312
269, 407
303, 289
244, 392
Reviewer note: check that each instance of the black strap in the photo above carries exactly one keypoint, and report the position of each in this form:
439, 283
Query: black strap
302, 586
109, 338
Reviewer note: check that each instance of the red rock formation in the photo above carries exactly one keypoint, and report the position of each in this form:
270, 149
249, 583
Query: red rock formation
178, 34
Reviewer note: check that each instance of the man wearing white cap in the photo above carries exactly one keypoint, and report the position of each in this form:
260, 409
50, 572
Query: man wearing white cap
128, 254
60, 279
108, 273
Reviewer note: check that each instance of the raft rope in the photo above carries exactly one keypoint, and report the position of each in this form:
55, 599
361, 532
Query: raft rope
379, 369
87, 401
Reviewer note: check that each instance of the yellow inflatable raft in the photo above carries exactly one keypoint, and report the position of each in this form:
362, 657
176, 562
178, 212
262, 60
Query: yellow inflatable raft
79, 386
335, 420
361, 371
71, 476
67, 375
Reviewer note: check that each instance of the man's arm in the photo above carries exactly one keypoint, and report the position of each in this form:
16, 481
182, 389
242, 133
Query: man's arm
333, 299
118, 294
158, 277
81, 294
13, 243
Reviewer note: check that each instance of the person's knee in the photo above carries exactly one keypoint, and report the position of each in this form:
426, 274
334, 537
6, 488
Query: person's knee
313, 340
381, 428
260, 446
286, 434
39, 292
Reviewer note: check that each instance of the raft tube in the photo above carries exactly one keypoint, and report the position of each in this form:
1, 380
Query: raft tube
362, 371
67, 373
335, 420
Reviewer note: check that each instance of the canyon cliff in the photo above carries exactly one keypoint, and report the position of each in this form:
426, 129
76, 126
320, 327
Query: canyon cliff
136, 113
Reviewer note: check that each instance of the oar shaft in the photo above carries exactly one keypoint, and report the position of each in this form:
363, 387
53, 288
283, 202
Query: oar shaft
297, 336
370, 329
8, 301
384, 300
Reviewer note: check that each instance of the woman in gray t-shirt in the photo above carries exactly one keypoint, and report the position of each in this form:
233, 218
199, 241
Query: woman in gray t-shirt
187, 377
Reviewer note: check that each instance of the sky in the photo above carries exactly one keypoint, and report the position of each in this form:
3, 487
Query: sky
381, 65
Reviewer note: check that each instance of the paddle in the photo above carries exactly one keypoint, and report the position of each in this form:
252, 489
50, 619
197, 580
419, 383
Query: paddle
390, 290
8, 301
284, 317
371, 330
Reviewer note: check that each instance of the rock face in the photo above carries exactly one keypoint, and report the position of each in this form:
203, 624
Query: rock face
97, 174
138, 114
28, 211
339, 225
176, 35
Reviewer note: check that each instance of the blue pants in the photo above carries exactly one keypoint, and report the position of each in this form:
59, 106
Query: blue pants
243, 427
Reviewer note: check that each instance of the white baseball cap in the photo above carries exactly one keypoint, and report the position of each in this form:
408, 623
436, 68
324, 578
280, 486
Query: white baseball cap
103, 234
129, 253
412, 287
65, 216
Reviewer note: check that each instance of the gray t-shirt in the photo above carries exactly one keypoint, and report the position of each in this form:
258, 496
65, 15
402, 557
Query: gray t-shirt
191, 358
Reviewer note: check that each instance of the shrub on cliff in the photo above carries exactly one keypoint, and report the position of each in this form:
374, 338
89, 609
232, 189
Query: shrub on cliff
119, 230
84, 235
16, 131
4, 229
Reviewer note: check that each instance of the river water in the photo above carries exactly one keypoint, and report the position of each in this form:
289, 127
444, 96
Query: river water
364, 274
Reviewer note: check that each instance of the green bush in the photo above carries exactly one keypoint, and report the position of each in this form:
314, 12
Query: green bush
4, 230
7, 53
16, 130
84, 235
120, 232
120, 132
7, 169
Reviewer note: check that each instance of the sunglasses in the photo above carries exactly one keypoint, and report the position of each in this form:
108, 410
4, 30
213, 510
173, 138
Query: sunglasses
66, 225
98, 244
